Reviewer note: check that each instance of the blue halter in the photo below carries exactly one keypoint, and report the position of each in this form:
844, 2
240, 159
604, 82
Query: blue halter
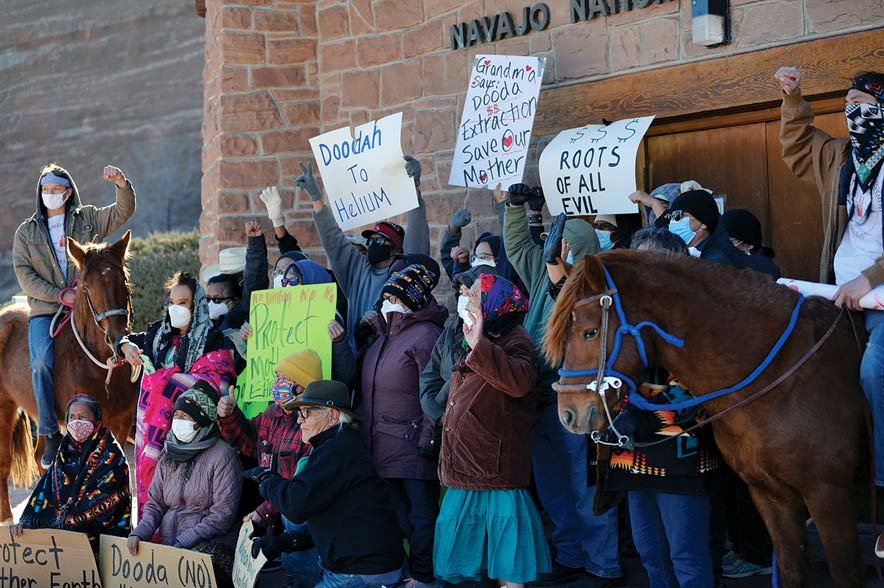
634, 331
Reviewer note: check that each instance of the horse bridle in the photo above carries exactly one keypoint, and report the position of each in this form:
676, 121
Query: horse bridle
98, 318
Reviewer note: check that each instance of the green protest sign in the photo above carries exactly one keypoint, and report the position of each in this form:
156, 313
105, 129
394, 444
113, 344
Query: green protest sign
283, 321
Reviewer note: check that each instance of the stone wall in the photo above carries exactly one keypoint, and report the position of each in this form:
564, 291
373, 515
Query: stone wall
94, 82
279, 72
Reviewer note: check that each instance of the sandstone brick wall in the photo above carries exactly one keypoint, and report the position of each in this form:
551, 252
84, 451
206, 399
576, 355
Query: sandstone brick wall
278, 73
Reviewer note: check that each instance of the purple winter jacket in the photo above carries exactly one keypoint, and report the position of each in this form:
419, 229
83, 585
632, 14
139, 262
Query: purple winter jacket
390, 407
201, 509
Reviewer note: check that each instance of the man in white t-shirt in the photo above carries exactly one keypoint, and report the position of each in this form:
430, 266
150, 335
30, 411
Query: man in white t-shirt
39, 257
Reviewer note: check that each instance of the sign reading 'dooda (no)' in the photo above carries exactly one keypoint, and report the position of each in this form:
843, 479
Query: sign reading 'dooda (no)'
591, 170
155, 566
46, 559
495, 129
364, 173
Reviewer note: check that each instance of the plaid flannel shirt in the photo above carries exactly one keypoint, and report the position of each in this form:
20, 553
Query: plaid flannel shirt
272, 432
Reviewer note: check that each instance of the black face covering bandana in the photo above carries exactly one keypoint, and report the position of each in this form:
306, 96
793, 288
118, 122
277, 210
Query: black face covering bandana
378, 253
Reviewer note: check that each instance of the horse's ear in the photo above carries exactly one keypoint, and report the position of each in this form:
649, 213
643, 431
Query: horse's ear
594, 273
122, 246
78, 253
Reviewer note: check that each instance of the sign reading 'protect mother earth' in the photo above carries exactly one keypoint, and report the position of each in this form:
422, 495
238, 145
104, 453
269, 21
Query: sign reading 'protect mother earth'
495, 129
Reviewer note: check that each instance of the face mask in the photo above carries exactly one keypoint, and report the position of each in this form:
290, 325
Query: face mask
185, 431
179, 316
682, 228
462, 302
80, 430
277, 281
283, 394
477, 262
605, 242
569, 259
387, 307
217, 310
53, 201
379, 253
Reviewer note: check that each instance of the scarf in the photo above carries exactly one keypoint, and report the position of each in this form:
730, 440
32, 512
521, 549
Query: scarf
866, 125
85, 490
182, 454
191, 344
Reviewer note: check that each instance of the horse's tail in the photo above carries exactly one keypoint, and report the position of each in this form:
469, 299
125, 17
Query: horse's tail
24, 465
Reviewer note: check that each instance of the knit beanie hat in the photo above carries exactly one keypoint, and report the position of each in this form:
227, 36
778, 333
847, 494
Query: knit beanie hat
199, 406
302, 367
413, 286
699, 204
743, 225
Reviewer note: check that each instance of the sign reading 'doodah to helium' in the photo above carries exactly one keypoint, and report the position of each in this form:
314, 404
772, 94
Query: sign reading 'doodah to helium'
364, 173
498, 113
591, 170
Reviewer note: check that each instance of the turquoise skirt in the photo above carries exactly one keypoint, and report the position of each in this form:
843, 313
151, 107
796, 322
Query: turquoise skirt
489, 533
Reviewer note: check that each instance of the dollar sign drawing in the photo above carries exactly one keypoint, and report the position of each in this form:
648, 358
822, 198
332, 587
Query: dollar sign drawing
578, 135
599, 131
630, 129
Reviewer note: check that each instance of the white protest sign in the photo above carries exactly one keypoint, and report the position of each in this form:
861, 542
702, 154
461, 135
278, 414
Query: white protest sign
874, 300
495, 128
364, 172
591, 169
246, 567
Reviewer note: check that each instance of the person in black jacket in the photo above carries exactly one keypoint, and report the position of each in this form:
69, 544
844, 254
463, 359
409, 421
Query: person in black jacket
340, 496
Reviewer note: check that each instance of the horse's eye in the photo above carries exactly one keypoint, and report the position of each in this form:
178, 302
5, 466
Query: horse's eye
590, 333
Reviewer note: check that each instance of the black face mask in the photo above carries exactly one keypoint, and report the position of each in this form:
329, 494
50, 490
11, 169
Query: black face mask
379, 253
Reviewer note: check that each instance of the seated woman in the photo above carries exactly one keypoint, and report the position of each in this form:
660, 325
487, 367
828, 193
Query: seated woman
86, 489
195, 491
183, 350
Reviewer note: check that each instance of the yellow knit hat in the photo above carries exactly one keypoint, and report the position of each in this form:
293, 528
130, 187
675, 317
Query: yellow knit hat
303, 367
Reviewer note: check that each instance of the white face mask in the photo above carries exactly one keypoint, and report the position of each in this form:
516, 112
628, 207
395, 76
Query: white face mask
387, 307
489, 262
277, 281
462, 302
179, 316
53, 201
217, 310
184, 430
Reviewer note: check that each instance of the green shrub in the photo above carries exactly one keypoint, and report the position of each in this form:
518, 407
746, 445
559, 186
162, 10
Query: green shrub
152, 261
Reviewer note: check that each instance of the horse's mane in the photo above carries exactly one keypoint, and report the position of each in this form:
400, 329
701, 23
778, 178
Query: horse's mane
750, 287
97, 253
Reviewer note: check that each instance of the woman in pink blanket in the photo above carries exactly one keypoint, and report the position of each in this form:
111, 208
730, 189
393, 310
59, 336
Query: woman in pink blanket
179, 352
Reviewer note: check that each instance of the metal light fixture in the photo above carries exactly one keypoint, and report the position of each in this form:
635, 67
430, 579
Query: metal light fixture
709, 22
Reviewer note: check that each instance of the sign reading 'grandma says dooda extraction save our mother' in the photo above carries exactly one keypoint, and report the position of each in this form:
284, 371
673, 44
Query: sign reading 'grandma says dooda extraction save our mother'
364, 172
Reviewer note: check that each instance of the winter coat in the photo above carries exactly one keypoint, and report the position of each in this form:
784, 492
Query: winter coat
490, 417
345, 504
816, 158
200, 509
718, 248
33, 256
144, 341
393, 423
436, 377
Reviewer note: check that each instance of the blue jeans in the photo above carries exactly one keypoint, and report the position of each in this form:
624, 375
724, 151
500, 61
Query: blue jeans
42, 353
871, 375
335, 580
682, 522
302, 566
581, 539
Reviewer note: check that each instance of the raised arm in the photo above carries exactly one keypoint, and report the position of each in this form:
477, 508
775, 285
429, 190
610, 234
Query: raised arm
417, 234
112, 217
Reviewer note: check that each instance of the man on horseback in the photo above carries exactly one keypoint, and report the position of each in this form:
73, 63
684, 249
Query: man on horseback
40, 260
847, 173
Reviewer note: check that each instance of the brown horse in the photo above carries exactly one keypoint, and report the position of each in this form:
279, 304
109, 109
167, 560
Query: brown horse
800, 447
103, 280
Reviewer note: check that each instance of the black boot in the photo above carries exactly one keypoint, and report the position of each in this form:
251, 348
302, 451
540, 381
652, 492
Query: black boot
53, 442
559, 576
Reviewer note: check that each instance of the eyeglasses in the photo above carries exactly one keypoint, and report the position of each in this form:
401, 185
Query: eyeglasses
483, 256
218, 299
676, 215
304, 412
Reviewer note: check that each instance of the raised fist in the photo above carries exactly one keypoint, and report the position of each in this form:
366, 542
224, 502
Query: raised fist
789, 79
115, 175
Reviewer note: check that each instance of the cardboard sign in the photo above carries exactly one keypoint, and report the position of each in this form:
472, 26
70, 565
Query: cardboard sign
155, 566
591, 170
874, 300
47, 558
246, 567
498, 114
364, 173
286, 320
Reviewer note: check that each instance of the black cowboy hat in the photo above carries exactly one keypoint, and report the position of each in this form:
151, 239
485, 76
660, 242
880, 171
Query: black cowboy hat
327, 393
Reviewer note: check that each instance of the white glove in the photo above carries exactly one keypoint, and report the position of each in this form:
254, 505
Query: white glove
273, 203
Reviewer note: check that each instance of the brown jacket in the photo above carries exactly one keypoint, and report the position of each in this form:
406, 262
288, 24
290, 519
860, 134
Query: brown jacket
816, 158
33, 257
490, 417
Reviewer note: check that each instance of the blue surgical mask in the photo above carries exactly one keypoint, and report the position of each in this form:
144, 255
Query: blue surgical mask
605, 242
569, 259
682, 228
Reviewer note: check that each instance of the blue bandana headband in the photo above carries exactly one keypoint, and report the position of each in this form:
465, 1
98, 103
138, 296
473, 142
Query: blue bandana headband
51, 178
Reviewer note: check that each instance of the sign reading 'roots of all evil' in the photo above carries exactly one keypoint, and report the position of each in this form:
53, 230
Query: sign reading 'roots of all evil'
498, 114
364, 172
283, 321
47, 559
591, 170
155, 566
